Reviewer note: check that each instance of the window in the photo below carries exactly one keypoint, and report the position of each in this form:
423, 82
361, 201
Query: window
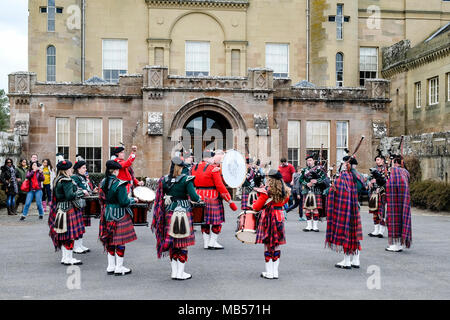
418, 94
341, 139
115, 59
89, 142
368, 64
339, 69
433, 93
448, 86
197, 58
115, 134
159, 56
59, 10
340, 22
277, 59
317, 135
235, 62
63, 136
51, 10
43, 9
51, 63
294, 143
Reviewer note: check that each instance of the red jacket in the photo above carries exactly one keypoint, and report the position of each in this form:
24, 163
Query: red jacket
36, 179
287, 172
209, 175
124, 174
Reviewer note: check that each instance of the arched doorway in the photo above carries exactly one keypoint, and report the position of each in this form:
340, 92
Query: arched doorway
207, 130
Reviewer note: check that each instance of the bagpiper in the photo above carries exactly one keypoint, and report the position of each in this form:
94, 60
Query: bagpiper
248, 195
398, 207
344, 231
211, 188
66, 219
82, 181
125, 173
270, 230
377, 200
312, 179
172, 217
116, 226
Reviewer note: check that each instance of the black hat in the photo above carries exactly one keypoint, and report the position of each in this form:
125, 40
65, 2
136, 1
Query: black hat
275, 174
351, 160
311, 156
379, 155
111, 164
64, 165
117, 150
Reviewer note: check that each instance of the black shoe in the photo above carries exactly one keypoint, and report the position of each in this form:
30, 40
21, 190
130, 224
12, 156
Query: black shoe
379, 236
342, 267
354, 266
371, 235
41, 217
317, 230
122, 274
307, 230
22, 218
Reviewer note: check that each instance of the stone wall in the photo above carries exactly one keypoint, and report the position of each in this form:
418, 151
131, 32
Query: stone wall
432, 149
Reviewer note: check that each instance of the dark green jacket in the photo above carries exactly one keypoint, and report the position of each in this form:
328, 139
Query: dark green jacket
117, 200
304, 179
66, 191
180, 189
81, 182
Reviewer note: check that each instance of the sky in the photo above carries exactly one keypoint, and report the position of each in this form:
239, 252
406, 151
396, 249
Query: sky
13, 38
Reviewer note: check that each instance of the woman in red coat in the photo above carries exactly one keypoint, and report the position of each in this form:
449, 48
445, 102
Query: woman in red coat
271, 223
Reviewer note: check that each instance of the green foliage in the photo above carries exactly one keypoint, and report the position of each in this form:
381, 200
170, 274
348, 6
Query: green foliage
431, 195
4, 111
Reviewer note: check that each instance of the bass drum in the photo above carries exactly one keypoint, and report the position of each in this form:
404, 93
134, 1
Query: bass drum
234, 169
247, 225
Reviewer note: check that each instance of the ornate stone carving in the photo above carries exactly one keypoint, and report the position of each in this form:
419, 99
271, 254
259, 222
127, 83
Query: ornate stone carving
155, 123
379, 129
22, 124
261, 122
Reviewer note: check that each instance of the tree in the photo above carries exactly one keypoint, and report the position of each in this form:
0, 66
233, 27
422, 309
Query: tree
4, 111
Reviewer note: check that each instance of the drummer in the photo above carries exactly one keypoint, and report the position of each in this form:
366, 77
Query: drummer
124, 172
116, 224
82, 181
211, 188
248, 185
172, 195
271, 223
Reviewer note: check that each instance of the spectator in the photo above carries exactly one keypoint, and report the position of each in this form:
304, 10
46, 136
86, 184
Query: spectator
34, 158
22, 169
8, 178
287, 170
49, 175
36, 177
297, 194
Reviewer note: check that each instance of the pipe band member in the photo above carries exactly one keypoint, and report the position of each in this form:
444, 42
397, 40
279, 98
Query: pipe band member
173, 219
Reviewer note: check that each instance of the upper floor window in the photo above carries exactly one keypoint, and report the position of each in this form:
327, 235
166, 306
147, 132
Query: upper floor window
368, 64
277, 59
433, 91
340, 22
115, 59
418, 94
51, 63
339, 69
51, 11
197, 58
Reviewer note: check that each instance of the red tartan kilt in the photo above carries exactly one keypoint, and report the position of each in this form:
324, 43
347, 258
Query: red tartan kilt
184, 242
244, 200
75, 226
124, 231
86, 220
319, 201
264, 230
214, 211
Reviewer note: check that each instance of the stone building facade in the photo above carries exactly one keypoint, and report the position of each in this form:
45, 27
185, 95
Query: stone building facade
152, 108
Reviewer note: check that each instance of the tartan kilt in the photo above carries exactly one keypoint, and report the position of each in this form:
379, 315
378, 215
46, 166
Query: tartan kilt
75, 227
86, 220
244, 200
183, 242
323, 210
381, 206
214, 211
319, 201
270, 231
123, 232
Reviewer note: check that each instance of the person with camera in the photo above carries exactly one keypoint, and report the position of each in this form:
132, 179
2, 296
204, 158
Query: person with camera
33, 186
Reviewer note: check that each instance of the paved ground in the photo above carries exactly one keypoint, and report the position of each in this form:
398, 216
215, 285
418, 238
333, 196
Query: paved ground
30, 269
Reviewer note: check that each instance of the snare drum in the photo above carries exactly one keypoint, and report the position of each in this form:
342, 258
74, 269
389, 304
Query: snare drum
246, 227
140, 211
198, 213
93, 208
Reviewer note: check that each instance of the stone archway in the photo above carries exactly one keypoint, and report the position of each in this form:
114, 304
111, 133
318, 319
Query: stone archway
207, 104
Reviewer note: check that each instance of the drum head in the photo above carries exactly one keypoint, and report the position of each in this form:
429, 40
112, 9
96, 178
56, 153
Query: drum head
144, 194
234, 168
246, 236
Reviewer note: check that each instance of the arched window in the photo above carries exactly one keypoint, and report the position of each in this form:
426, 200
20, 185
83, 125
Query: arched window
339, 69
51, 63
